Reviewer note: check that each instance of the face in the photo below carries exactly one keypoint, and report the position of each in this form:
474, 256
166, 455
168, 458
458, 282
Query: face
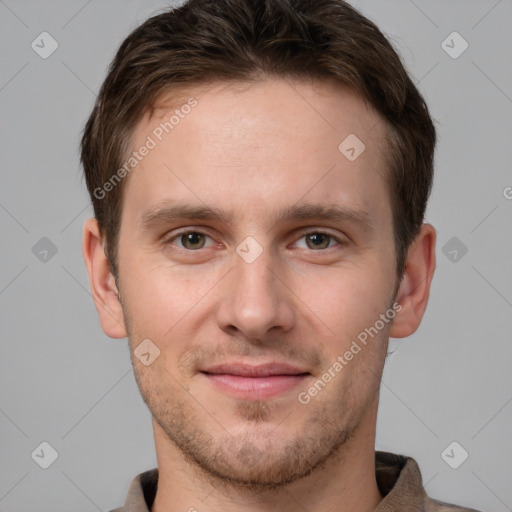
252, 254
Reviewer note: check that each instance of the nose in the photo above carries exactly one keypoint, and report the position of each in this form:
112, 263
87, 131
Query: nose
255, 299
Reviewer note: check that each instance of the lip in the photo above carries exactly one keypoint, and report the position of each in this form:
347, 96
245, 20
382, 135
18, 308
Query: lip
255, 382
251, 370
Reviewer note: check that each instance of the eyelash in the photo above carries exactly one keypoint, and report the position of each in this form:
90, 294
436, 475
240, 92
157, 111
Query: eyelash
175, 236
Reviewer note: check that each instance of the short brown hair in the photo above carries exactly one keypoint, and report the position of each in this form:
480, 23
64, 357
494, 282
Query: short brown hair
204, 41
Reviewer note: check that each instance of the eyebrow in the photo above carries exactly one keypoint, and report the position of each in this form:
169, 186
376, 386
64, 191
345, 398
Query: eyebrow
167, 212
328, 212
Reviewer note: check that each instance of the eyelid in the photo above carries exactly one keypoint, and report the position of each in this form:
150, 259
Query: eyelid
168, 239
322, 231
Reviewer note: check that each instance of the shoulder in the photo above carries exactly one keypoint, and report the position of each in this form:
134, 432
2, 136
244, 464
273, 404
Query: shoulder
440, 506
400, 482
141, 493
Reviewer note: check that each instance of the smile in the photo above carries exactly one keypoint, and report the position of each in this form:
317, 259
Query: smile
255, 382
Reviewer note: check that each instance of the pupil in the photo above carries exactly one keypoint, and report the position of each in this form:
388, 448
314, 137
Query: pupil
192, 239
319, 239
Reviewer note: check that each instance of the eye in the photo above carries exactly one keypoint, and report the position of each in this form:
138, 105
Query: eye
190, 240
317, 240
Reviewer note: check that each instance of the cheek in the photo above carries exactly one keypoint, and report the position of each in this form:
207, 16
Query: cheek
162, 300
346, 300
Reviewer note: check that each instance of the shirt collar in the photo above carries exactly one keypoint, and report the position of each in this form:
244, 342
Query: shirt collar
399, 481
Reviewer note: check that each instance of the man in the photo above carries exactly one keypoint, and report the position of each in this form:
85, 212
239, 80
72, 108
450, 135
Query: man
259, 171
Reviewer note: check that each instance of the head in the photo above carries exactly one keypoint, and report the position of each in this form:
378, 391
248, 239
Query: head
259, 172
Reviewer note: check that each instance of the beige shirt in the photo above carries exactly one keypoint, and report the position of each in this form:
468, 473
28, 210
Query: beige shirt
398, 478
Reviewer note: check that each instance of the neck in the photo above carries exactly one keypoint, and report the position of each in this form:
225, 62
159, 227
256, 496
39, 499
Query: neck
345, 482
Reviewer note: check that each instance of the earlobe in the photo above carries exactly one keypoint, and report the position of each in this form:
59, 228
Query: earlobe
414, 289
103, 286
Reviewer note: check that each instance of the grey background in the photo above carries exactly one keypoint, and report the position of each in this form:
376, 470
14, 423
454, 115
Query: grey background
64, 382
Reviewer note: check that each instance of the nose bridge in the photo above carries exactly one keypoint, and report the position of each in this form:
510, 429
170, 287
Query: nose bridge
255, 276
255, 300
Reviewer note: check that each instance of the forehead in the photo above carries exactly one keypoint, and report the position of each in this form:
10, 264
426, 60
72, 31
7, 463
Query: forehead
263, 145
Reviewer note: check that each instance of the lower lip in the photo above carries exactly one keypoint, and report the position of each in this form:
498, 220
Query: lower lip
255, 388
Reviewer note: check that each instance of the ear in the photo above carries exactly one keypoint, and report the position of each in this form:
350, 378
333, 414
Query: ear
414, 288
103, 286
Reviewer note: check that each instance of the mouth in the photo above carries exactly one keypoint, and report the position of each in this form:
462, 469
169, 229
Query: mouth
255, 382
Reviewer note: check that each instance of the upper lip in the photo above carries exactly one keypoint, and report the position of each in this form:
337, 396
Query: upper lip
260, 370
